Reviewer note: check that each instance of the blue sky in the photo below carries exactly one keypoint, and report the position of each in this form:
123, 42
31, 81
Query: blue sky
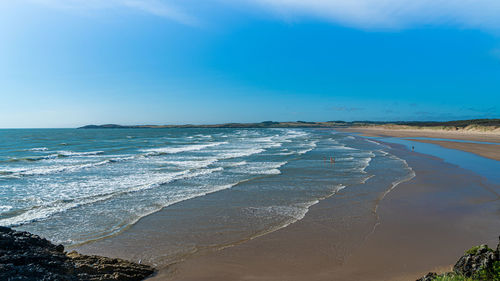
66, 63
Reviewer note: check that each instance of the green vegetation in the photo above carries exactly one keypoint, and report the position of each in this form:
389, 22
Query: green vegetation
480, 263
474, 250
453, 277
492, 275
458, 123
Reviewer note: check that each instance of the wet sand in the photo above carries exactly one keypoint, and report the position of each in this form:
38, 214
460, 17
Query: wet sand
491, 151
422, 225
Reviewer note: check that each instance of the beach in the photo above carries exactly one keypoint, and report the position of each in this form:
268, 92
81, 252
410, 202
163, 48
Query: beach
415, 225
487, 150
254, 204
424, 225
264, 140
374, 131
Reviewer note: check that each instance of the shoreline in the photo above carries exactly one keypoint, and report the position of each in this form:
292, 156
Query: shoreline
153, 232
315, 248
492, 136
487, 150
299, 250
491, 151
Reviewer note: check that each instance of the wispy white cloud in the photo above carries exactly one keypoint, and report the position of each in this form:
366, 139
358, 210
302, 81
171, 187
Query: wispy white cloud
392, 14
364, 14
162, 9
155, 7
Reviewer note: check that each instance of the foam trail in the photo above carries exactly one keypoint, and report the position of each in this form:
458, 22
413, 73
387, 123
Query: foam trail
173, 150
38, 149
299, 212
410, 176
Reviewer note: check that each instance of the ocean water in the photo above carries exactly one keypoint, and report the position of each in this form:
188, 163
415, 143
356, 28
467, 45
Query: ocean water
217, 186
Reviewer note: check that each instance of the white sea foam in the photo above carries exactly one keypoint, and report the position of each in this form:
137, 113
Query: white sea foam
236, 164
267, 142
291, 213
5, 208
45, 170
362, 154
344, 159
262, 168
150, 183
371, 141
228, 154
304, 151
365, 163
310, 146
73, 153
343, 147
38, 149
201, 163
384, 153
367, 178
37, 213
300, 214
411, 174
59, 154
287, 153
46, 210
178, 149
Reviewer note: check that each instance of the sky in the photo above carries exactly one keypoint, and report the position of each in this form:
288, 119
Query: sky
68, 63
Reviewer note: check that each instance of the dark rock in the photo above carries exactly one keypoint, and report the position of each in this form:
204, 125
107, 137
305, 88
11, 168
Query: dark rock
476, 259
25, 256
428, 277
497, 252
60, 248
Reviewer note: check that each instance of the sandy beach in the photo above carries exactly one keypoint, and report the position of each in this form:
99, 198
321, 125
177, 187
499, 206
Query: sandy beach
424, 224
492, 136
491, 151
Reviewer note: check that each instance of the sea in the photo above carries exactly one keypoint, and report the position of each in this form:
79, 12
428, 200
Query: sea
213, 186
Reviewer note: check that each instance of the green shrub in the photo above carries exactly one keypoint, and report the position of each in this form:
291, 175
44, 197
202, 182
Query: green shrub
484, 275
474, 250
491, 275
454, 278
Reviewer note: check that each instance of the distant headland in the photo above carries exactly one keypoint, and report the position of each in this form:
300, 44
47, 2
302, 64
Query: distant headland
473, 124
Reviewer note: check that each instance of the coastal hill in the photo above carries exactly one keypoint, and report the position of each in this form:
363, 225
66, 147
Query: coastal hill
265, 124
474, 124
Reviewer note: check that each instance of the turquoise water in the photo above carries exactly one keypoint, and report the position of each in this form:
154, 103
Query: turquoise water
75, 186
485, 167
455, 140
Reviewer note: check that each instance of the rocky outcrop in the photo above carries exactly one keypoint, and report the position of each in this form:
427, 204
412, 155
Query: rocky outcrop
429, 277
25, 256
480, 262
474, 260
